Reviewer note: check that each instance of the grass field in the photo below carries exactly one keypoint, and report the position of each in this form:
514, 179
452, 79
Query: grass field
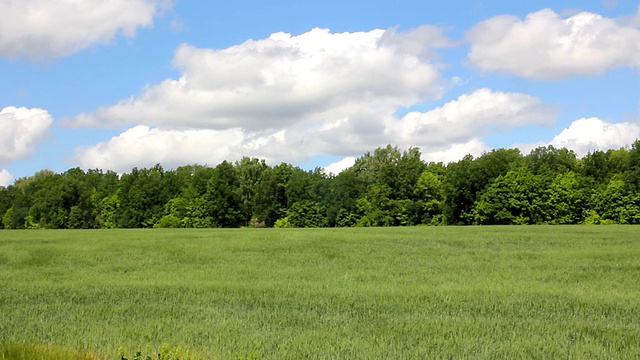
537, 292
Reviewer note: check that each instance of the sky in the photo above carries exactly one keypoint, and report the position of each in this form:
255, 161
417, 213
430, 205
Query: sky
117, 84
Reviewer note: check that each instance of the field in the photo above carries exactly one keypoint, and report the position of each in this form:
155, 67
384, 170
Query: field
537, 292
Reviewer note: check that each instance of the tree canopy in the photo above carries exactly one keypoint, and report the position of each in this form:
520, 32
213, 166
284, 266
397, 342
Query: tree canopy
388, 187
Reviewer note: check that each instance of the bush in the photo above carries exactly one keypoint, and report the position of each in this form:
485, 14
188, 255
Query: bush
168, 221
282, 223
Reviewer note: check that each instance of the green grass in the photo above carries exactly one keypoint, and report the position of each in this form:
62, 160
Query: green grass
538, 292
15, 351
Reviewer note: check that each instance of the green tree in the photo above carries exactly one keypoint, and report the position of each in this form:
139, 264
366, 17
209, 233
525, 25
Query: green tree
143, 194
378, 167
409, 169
428, 191
597, 166
549, 161
271, 201
344, 191
47, 207
9, 219
223, 199
183, 212
107, 210
566, 200
517, 197
632, 173
307, 214
5, 203
249, 172
618, 203
459, 192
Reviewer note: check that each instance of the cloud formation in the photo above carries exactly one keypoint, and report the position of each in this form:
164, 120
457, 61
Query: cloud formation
288, 98
585, 135
5, 177
142, 146
338, 166
444, 134
44, 29
547, 46
457, 151
473, 115
589, 134
285, 79
21, 129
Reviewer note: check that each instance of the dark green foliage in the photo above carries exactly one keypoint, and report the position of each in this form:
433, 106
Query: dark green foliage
388, 187
307, 213
459, 192
466, 179
516, 198
599, 166
222, 198
5, 204
270, 198
618, 203
428, 192
549, 160
633, 167
250, 173
344, 191
143, 195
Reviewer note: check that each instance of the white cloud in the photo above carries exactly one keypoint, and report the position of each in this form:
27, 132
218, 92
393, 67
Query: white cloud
142, 146
338, 166
471, 116
43, 29
285, 80
288, 98
5, 178
589, 134
584, 135
546, 46
457, 151
21, 129
453, 130
444, 134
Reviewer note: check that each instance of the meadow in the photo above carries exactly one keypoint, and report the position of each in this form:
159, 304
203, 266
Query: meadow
517, 292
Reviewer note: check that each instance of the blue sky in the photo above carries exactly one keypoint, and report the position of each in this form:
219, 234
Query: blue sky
123, 83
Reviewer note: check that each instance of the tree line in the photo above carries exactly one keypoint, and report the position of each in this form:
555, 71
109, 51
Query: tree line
386, 187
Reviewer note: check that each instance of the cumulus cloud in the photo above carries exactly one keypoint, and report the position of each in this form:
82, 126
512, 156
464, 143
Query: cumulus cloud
5, 177
449, 132
21, 129
288, 98
472, 115
584, 135
142, 146
547, 46
444, 134
590, 134
457, 151
284, 80
338, 166
43, 29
